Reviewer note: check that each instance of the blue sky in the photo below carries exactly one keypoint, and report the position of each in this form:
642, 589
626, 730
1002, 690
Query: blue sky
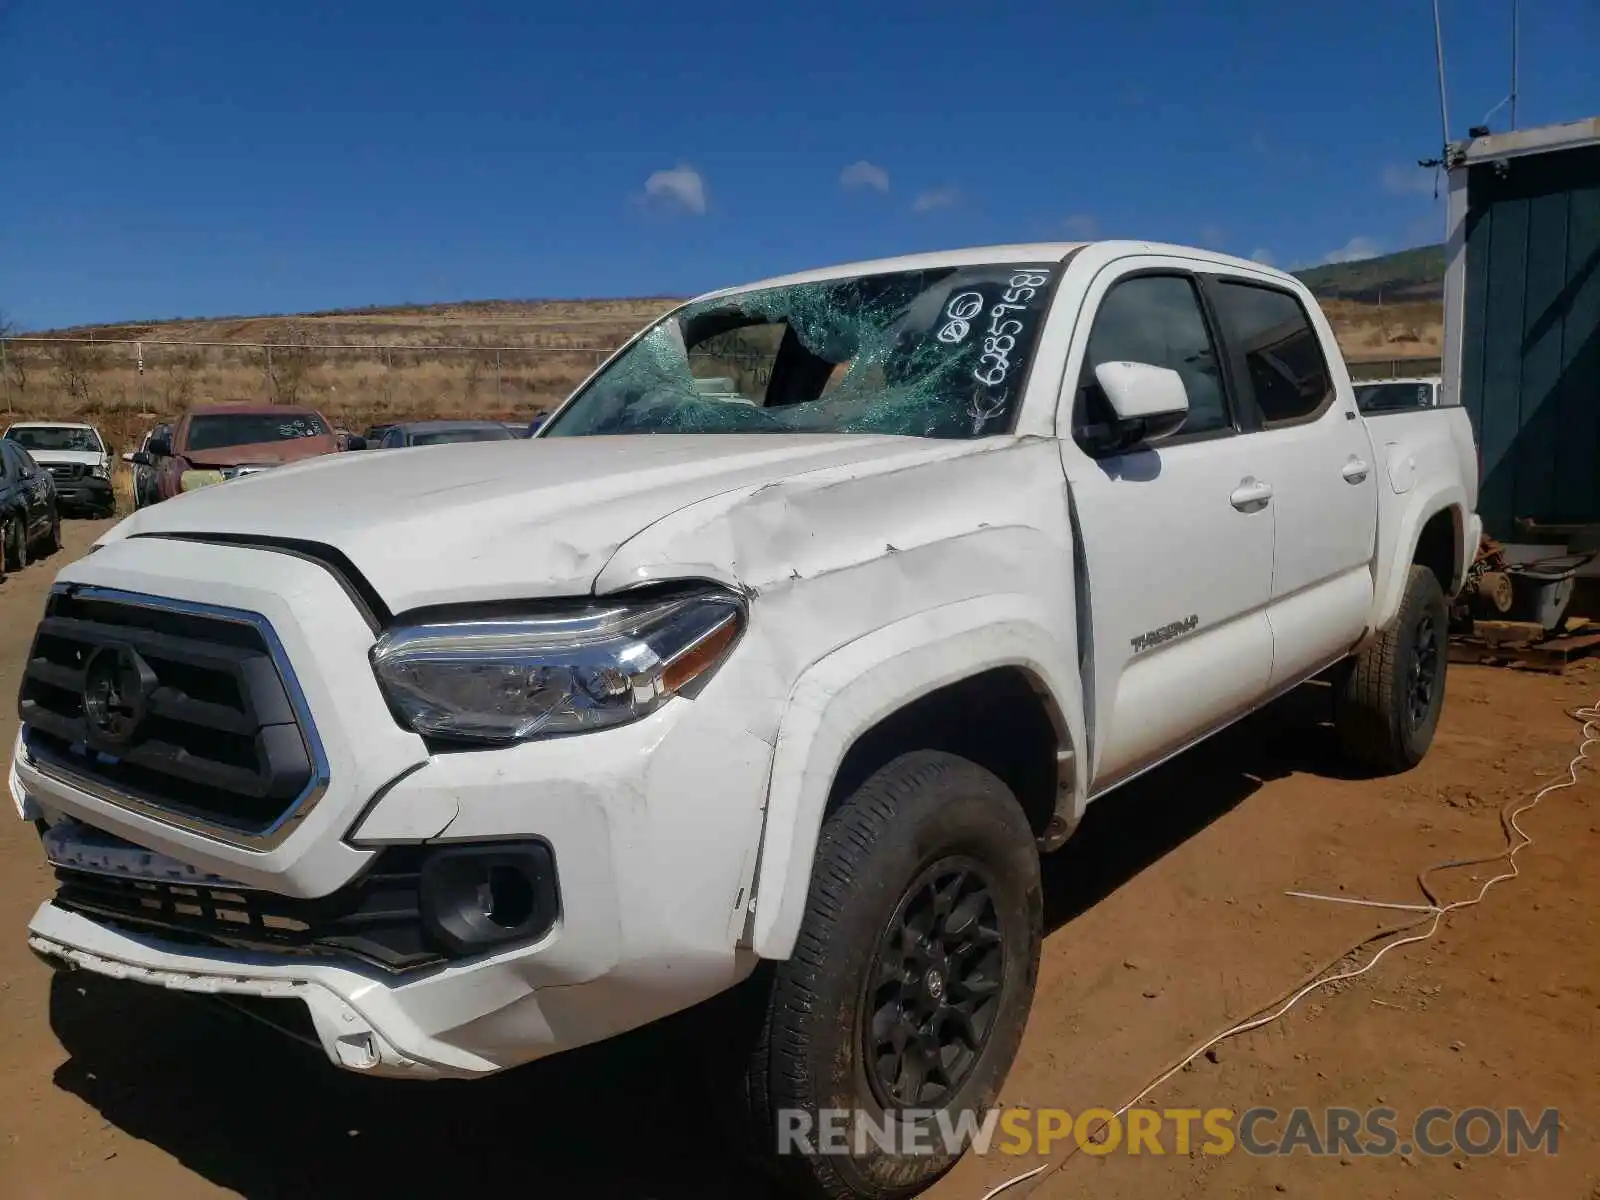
183, 159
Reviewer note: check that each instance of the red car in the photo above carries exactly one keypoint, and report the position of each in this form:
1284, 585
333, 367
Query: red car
218, 442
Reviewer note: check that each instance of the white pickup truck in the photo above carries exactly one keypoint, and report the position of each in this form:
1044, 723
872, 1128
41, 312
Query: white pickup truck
796, 634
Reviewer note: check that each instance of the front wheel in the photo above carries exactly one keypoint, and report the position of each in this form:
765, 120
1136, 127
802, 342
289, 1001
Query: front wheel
902, 1007
1387, 704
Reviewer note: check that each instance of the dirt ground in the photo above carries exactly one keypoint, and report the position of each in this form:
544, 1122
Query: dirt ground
1169, 923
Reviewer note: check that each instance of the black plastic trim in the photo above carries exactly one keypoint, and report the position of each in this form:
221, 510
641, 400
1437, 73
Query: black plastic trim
362, 594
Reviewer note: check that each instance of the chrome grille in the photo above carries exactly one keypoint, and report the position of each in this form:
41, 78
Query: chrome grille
189, 711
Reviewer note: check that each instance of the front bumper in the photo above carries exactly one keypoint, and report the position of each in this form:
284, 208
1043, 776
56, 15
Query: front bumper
86, 493
655, 850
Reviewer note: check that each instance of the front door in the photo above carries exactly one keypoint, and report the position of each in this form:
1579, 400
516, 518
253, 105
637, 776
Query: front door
1177, 537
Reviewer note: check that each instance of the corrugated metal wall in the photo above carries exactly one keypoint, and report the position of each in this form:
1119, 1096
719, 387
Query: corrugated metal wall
1531, 346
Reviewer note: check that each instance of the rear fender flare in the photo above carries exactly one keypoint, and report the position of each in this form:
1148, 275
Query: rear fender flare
1412, 511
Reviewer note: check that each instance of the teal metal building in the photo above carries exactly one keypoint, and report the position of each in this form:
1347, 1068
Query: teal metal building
1522, 321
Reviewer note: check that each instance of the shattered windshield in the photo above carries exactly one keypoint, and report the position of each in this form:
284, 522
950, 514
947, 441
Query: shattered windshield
934, 353
56, 437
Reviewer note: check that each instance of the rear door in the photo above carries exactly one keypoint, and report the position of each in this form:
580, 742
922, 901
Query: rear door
1177, 538
1317, 456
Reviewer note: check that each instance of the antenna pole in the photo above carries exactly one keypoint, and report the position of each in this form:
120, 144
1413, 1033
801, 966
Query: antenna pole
1438, 53
1514, 24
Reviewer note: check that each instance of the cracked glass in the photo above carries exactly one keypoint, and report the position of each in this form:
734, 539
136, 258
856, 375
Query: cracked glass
938, 353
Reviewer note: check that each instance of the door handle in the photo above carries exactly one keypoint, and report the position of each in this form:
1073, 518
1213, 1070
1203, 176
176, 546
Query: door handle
1251, 494
1354, 471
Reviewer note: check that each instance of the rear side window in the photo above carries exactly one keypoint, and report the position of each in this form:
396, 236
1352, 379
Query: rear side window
1154, 319
1284, 364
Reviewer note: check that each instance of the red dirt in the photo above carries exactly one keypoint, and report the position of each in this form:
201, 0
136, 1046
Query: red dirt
1169, 923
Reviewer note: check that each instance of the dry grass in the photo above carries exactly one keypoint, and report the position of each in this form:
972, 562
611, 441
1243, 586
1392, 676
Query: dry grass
500, 360
1413, 329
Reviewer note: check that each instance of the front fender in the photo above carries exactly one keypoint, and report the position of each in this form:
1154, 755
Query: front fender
849, 691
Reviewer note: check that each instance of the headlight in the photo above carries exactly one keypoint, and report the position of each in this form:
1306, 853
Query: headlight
100, 472
562, 669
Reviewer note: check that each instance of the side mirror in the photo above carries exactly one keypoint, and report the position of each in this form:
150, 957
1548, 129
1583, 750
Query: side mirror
1149, 402
355, 442
159, 448
139, 458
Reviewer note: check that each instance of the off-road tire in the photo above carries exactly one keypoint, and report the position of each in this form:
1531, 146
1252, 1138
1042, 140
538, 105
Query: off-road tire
1379, 718
14, 542
921, 817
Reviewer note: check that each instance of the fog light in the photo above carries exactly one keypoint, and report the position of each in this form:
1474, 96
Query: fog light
477, 897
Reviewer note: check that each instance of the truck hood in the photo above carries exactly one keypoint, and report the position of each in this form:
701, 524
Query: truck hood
522, 519
255, 453
81, 458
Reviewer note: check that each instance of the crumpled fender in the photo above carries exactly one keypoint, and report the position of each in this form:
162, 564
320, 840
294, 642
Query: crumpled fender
844, 694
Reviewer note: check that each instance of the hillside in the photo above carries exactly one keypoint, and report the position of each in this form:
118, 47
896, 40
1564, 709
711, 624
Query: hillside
1416, 274
503, 359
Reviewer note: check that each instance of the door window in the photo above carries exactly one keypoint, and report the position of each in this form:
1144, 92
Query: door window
1285, 370
1154, 319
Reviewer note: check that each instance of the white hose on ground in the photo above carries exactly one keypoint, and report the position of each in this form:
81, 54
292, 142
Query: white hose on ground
1431, 914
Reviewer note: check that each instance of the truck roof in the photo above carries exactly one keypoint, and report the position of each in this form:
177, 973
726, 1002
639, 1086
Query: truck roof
980, 255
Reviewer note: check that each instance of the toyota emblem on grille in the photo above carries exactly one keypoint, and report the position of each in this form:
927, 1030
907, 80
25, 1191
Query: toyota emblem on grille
117, 686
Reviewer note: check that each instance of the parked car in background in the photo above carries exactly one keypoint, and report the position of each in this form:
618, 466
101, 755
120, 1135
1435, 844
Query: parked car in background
29, 518
218, 442
1397, 395
78, 460
435, 433
144, 475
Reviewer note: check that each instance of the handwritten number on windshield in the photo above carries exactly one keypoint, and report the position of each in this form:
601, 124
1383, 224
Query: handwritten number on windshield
1001, 337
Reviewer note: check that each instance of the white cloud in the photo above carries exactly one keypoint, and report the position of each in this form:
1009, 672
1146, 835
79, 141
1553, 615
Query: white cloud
1407, 181
1356, 249
935, 198
862, 174
1082, 225
1213, 237
1263, 256
682, 187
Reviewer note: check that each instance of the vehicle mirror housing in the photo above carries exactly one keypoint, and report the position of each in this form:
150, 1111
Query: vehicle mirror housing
355, 442
1146, 400
158, 448
139, 458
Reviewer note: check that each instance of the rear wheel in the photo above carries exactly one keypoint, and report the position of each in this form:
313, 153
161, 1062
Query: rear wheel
52, 537
1388, 703
903, 1004
14, 542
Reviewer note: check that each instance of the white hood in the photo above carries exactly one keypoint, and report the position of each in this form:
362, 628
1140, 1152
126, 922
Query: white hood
84, 458
521, 519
